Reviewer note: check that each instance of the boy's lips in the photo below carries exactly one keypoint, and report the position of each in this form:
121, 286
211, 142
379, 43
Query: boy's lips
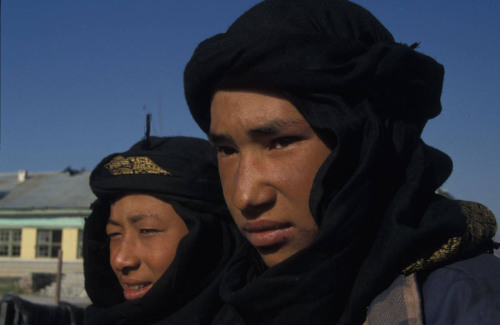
265, 233
135, 290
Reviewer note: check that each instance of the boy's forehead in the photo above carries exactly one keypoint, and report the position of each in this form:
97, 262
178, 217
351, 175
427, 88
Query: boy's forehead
254, 113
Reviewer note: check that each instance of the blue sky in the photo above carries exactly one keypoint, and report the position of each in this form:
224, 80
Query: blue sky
77, 78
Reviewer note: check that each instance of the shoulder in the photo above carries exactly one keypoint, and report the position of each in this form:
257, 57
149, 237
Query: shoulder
464, 292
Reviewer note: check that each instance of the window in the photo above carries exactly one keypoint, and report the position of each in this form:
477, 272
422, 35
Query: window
48, 242
10, 242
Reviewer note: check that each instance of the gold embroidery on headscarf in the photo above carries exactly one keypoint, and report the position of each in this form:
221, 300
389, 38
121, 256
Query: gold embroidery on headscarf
120, 165
451, 248
481, 227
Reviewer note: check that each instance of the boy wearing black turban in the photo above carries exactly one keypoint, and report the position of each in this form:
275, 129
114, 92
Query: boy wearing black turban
317, 115
159, 235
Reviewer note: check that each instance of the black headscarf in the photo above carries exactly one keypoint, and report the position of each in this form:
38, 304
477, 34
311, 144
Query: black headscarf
183, 172
374, 197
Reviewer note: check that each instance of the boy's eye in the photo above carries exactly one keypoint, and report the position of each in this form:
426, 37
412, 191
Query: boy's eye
283, 142
225, 150
149, 231
113, 235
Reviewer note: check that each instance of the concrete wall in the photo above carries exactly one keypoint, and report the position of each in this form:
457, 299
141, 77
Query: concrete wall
22, 267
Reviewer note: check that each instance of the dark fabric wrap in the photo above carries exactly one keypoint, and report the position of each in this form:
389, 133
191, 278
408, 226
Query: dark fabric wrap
18, 311
188, 290
374, 197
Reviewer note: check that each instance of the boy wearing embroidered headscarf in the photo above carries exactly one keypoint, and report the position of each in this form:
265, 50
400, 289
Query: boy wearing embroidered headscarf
159, 235
317, 114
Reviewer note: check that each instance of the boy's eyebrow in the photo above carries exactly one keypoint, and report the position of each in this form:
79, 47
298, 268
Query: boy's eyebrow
215, 138
134, 218
273, 127
139, 217
112, 222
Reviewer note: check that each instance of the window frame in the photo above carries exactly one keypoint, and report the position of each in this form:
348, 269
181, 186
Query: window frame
50, 244
11, 243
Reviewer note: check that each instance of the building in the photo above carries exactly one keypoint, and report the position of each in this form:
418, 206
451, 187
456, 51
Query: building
41, 213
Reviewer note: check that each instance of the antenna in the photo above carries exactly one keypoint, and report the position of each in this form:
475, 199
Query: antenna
147, 139
144, 109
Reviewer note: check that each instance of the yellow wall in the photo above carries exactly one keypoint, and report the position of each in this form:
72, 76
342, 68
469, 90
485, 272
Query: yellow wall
28, 243
69, 243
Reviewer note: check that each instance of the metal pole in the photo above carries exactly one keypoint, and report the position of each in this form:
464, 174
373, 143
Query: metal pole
58, 276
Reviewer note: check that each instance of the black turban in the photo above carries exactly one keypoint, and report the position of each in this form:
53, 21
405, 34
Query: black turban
321, 46
181, 171
374, 197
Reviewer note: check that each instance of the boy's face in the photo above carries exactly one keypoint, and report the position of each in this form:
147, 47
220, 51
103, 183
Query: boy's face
268, 157
143, 236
